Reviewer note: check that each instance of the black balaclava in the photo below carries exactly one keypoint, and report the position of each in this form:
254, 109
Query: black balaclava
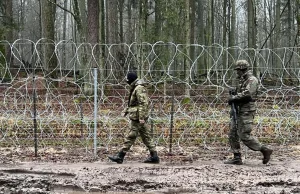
131, 77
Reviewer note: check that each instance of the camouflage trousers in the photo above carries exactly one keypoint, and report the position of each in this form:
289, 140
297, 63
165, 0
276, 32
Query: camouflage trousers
136, 129
243, 133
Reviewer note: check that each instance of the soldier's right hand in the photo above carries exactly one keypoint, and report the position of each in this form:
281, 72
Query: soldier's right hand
232, 91
125, 112
231, 99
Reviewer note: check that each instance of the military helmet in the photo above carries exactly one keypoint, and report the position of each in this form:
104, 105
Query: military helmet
241, 64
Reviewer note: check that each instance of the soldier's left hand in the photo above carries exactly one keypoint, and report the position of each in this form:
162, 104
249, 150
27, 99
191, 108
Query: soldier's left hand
142, 121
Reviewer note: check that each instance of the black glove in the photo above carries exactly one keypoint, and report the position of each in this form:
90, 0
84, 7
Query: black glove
232, 91
231, 100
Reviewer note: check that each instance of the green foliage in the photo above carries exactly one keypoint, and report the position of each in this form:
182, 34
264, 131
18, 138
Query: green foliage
201, 124
186, 100
187, 131
80, 99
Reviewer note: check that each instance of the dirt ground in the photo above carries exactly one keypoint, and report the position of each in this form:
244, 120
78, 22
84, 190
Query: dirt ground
199, 170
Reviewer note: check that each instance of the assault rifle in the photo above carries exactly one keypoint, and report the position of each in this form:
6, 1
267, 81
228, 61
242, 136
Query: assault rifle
233, 92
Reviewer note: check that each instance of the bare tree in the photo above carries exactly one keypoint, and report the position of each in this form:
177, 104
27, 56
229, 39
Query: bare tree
200, 33
187, 39
158, 20
225, 30
83, 18
209, 32
112, 22
64, 32
232, 32
48, 32
8, 23
93, 22
252, 31
112, 34
78, 19
298, 25
192, 24
130, 36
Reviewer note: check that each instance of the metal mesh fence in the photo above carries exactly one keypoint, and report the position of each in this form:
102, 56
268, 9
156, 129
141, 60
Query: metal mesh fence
52, 93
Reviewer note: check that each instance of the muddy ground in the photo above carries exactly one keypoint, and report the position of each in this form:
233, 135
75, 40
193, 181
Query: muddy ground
194, 170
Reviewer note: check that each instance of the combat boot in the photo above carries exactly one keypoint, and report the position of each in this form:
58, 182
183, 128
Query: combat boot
266, 153
153, 158
118, 158
237, 160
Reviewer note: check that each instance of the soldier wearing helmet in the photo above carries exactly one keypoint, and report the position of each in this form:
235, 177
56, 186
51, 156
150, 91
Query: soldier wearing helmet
242, 64
244, 101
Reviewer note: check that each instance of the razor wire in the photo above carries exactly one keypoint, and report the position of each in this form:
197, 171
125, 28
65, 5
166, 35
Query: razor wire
187, 86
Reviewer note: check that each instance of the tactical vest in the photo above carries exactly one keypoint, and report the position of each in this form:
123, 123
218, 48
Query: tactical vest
138, 110
245, 82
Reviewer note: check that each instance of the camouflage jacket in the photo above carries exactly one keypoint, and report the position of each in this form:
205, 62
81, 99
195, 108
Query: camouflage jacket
138, 103
247, 92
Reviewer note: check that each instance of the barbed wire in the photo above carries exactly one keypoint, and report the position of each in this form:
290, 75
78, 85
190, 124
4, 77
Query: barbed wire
194, 79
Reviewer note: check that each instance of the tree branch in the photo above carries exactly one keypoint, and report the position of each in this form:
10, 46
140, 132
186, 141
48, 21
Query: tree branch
62, 8
274, 26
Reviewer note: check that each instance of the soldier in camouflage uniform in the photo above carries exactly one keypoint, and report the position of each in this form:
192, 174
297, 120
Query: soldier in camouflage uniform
244, 101
138, 111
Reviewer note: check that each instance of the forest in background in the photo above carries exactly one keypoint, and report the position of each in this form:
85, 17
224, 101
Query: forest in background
108, 29
185, 50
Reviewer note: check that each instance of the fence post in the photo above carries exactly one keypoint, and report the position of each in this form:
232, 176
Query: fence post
34, 113
95, 111
151, 121
172, 117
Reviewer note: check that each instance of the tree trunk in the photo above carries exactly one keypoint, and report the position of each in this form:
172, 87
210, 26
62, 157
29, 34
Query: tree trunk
212, 5
298, 27
83, 19
225, 55
79, 22
209, 35
277, 42
192, 32
130, 37
112, 35
8, 24
272, 23
121, 11
64, 34
290, 23
252, 33
102, 25
232, 32
102, 49
158, 20
112, 22
187, 39
201, 37
145, 18
232, 40
92, 39
93, 23
48, 31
